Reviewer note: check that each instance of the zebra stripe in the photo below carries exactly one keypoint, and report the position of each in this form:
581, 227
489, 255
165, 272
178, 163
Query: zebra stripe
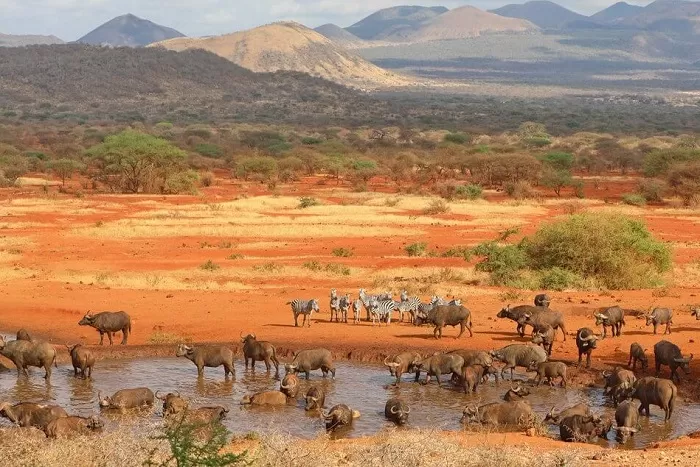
303, 307
356, 308
382, 310
410, 306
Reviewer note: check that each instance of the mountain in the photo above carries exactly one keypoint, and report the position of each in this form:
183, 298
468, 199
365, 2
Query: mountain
130, 31
340, 36
462, 23
547, 15
78, 81
390, 21
12, 40
669, 15
294, 47
616, 13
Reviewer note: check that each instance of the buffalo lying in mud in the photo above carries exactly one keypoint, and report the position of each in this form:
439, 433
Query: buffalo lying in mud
290, 386
578, 409
583, 428
126, 399
26, 414
67, 427
339, 416
396, 411
265, 398
517, 413
315, 398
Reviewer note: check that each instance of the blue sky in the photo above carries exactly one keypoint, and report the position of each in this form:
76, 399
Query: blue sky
71, 19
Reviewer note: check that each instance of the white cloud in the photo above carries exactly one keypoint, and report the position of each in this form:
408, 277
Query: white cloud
70, 19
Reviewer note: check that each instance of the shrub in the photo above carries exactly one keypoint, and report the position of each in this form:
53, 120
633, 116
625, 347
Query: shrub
520, 190
416, 249
339, 269
653, 190
538, 141
684, 180
557, 180
436, 206
615, 251
312, 266
504, 263
659, 162
209, 150
558, 160
634, 199
262, 166
65, 168
558, 279
206, 179
235, 256
457, 138
13, 166
310, 140
181, 182
342, 252
307, 202
459, 252
189, 448
210, 266
268, 267
469, 191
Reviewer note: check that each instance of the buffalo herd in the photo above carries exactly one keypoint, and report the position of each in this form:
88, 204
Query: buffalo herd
467, 369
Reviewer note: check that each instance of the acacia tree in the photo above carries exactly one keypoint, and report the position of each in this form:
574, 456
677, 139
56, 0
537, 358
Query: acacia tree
135, 162
65, 168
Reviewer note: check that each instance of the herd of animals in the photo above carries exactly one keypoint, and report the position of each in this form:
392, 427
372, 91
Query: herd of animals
467, 369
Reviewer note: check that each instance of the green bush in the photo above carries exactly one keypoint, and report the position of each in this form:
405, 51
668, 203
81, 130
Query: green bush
310, 140
558, 279
206, 179
312, 266
264, 167
181, 182
342, 252
210, 266
634, 199
459, 252
504, 263
469, 191
339, 269
307, 202
457, 138
659, 162
520, 190
653, 190
209, 150
558, 160
416, 249
436, 206
615, 251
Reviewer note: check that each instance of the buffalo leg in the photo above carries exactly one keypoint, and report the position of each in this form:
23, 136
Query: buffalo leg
655, 327
47, 367
125, 335
658, 368
109, 335
521, 329
668, 328
588, 359
461, 330
629, 363
75, 371
102, 335
200, 370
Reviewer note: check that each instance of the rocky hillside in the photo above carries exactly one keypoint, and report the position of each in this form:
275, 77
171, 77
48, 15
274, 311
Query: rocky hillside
130, 31
12, 40
393, 21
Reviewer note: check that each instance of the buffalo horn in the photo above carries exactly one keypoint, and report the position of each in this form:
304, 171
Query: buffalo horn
159, 397
385, 363
394, 409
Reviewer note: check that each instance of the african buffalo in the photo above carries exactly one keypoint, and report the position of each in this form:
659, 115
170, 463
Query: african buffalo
542, 300
516, 394
315, 398
396, 411
627, 420
109, 322
583, 428
447, 315
26, 414
177, 408
260, 351
500, 413
540, 320
208, 356
66, 427
126, 399
522, 355
655, 391
517, 313
290, 385
441, 364
549, 371
83, 360
23, 335
669, 354
578, 409
637, 355
613, 317
660, 316
586, 342
24, 354
544, 337
339, 416
618, 384
405, 362
265, 398
307, 360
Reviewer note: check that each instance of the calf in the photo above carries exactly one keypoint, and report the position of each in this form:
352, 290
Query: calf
660, 316
83, 360
637, 355
315, 398
544, 337
549, 371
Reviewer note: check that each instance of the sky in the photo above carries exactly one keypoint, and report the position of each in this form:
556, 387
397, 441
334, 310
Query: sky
72, 19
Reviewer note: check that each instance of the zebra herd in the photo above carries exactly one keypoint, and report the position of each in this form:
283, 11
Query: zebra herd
378, 308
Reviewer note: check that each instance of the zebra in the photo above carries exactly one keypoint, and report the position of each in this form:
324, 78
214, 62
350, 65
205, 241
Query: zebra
423, 310
436, 300
410, 305
303, 307
343, 307
335, 305
366, 301
404, 296
385, 296
356, 308
382, 310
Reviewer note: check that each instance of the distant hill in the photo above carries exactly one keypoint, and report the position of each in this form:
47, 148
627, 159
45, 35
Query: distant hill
462, 23
12, 40
672, 13
130, 31
294, 47
391, 21
340, 36
79, 81
545, 14
615, 14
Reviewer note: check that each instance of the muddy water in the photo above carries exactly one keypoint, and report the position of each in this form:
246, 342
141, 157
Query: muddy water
361, 386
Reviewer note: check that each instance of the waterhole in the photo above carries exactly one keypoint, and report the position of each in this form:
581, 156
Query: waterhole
364, 387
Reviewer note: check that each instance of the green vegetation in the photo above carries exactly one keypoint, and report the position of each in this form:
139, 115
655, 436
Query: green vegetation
436, 206
307, 202
65, 168
342, 252
416, 249
209, 150
269, 267
684, 181
581, 250
634, 199
332, 268
188, 449
457, 138
210, 265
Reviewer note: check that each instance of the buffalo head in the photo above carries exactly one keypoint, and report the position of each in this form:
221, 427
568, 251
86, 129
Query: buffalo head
504, 312
684, 363
182, 350
87, 320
